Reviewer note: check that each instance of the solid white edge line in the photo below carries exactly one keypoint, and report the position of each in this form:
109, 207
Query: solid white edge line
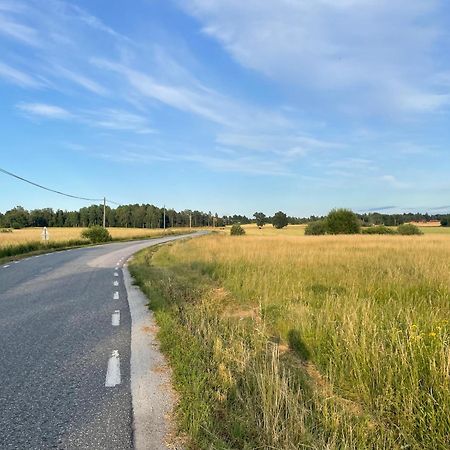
113, 377
115, 318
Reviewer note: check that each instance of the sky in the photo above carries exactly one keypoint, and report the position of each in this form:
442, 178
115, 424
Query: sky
227, 106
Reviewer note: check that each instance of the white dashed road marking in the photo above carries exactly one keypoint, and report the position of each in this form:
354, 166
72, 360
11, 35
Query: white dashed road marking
16, 262
115, 319
116, 274
113, 372
116, 295
5, 266
116, 283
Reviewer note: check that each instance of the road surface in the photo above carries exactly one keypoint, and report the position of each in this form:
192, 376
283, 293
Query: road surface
65, 350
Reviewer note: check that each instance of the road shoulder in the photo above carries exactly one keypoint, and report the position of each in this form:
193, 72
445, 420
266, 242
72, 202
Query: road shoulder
152, 397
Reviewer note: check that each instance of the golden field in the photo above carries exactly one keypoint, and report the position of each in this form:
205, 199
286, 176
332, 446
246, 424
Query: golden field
25, 235
294, 342
299, 230
269, 230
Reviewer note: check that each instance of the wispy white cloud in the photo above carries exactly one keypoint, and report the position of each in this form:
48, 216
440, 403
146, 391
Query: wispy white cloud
222, 160
18, 77
81, 80
376, 53
394, 182
44, 110
111, 119
18, 31
203, 102
287, 143
239, 164
119, 120
94, 22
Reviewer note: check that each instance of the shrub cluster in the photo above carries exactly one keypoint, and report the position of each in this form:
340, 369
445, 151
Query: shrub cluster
338, 221
344, 221
96, 234
237, 230
408, 229
378, 229
316, 228
6, 230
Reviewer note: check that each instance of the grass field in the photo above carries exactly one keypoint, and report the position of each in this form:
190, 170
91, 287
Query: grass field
28, 240
65, 234
299, 230
289, 342
269, 230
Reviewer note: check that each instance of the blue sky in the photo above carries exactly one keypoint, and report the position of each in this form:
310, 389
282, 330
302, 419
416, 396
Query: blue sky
226, 105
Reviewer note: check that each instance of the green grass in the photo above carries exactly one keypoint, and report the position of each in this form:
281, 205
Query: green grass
306, 342
436, 230
236, 392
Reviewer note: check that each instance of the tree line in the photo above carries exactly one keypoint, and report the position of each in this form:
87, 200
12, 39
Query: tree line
129, 216
150, 216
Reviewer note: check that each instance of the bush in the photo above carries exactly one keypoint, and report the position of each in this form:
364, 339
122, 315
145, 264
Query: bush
408, 229
6, 230
445, 221
279, 220
96, 234
237, 230
343, 221
316, 228
378, 229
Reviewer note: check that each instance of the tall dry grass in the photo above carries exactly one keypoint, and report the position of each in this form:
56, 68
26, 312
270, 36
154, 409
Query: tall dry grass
364, 318
56, 234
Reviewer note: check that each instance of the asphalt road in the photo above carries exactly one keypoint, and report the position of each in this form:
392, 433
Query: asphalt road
61, 350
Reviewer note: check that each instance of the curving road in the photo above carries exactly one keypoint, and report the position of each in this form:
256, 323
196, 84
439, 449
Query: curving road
65, 350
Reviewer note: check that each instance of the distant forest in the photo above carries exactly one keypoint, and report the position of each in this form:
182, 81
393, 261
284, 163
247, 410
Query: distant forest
150, 216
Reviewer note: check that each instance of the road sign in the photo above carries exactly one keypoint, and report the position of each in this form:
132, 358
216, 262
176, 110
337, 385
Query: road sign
44, 234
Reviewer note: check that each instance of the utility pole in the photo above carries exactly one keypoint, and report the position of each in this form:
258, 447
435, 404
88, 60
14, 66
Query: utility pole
104, 212
164, 218
190, 220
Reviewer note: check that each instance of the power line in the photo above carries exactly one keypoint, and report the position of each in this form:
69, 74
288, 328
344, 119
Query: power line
54, 190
